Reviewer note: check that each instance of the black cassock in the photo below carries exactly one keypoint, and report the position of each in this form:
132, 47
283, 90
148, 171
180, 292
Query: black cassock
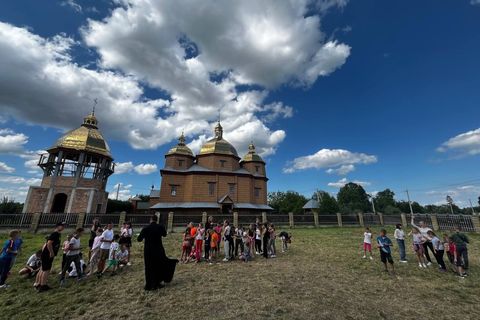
158, 267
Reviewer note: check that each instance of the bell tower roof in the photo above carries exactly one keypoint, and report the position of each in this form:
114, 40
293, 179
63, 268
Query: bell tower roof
85, 138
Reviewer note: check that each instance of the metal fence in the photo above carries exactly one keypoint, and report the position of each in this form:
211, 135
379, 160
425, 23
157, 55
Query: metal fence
32, 221
20, 221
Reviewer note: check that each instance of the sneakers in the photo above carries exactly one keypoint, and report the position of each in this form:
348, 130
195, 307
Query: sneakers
364, 257
420, 265
429, 264
225, 260
4, 286
371, 258
129, 263
403, 261
425, 265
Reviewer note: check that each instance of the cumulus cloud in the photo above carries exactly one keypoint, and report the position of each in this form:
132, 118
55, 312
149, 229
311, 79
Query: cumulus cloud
10, 141
339, 160
342, 170
6, 168
340, 183
123, 167
467, 143
20, 180
202, 61
145, 168
142, 169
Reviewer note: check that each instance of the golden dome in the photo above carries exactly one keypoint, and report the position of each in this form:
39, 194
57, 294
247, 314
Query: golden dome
85, 138
218, 145
180, 148
252, 155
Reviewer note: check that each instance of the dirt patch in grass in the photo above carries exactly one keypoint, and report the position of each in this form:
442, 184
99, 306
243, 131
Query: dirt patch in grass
321, 277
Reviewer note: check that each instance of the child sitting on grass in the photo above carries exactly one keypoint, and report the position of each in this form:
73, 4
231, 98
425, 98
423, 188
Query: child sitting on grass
122, 256
384, 244
112, 256
33, 265
367, 243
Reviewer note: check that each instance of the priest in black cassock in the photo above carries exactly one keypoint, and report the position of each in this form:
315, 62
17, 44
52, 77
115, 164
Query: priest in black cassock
158, 267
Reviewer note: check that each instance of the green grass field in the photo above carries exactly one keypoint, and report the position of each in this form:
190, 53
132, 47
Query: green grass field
322, 276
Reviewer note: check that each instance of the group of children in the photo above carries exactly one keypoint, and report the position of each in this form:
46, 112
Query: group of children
237, 241
424, 240
106, 251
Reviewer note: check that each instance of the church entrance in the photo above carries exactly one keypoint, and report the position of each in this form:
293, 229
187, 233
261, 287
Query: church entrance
227, 209
59, 203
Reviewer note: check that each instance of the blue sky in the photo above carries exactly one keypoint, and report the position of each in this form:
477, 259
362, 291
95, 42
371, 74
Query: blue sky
383, 93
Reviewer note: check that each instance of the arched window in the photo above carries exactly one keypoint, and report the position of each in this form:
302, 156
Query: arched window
59, 203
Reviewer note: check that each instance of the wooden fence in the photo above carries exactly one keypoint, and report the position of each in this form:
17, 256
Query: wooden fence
35, 221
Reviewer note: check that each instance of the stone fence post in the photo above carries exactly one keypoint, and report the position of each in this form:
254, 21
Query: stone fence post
403, 216
476, 223
81, 219
290, 220
123, 217
204, 218
315, 218
360, 219
339, 219
264, 217
35, 222
434, 220
235, 219
380, 216
170, 222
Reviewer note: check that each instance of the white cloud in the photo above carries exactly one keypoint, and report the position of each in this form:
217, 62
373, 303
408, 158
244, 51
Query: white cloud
20, 180
6, 168
10, 141
467, 143
142, 169
475, 2
342, 170
340, 183
123, 167
145, 168
203, 60
72, 4
338, 160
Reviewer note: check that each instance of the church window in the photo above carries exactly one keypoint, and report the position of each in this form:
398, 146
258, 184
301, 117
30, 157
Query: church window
211, 188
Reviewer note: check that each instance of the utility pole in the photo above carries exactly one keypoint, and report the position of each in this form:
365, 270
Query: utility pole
409, 202
118, 190
471, 206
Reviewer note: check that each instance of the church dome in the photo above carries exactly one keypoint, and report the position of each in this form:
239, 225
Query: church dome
252, 155
85, 138
181, 148
218, 145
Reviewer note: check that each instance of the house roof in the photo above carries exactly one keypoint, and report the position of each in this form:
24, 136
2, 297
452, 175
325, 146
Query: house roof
311, 204
155, 193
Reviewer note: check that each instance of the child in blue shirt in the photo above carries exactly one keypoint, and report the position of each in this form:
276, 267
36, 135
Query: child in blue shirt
6, 256
384, 244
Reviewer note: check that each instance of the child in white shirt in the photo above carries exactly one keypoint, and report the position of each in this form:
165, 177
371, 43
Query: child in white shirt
367, 243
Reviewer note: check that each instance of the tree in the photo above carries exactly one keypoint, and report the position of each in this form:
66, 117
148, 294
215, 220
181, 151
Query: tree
385, 199
119, 206
405, 208
353, 198
327, 203
285, 202
144, 197
9, 206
